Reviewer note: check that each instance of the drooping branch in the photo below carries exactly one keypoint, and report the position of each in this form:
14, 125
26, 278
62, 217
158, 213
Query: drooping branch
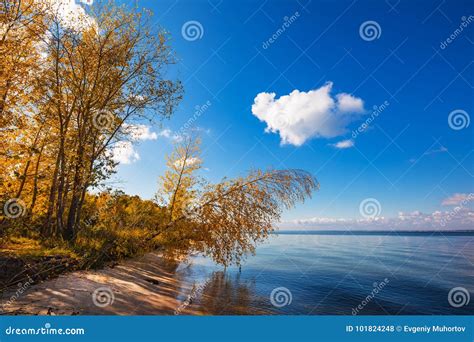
238, 214
231, 217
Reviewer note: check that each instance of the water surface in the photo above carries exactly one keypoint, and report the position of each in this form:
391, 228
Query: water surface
333, 273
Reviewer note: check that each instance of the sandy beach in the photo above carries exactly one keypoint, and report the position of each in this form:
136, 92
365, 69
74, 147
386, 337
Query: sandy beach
144, 286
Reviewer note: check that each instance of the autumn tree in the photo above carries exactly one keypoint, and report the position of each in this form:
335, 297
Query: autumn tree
102, 72
227, 219
178, 184
23, 24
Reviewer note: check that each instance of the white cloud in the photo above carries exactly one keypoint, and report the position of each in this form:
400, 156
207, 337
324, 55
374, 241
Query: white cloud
458, 199
169, 134
348, 103
441, 149
344, 144
124, 153
300, 116
140, 132
190, 162
460, 218
71, 14
165, 133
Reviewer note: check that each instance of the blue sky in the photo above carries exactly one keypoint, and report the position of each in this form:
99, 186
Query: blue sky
408, 160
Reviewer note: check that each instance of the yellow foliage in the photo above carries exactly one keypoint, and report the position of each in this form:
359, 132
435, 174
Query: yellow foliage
67, 94
227, 219
177, 191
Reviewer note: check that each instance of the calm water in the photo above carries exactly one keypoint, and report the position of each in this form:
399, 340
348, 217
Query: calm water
333, 274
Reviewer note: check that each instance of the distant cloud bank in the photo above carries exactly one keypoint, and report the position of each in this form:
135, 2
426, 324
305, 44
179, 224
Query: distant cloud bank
458, 199
462, 219
300, 116
459, 217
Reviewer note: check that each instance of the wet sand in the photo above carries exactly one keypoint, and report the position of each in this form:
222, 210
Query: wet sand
144, 286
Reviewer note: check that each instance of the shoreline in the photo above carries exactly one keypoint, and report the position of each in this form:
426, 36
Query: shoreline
148, 285
376, 232
312, 271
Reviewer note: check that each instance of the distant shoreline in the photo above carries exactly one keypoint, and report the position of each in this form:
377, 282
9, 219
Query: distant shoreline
376, 232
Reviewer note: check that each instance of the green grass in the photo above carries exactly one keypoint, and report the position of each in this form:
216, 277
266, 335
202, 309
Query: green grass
30, 248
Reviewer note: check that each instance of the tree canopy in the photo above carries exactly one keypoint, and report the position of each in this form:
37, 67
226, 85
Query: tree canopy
72, 88
225, 220
69, 91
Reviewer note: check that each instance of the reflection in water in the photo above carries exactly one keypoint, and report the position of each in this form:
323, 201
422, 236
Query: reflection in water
228, 294
333, 274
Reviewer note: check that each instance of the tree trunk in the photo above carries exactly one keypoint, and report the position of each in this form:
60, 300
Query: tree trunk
47, 230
